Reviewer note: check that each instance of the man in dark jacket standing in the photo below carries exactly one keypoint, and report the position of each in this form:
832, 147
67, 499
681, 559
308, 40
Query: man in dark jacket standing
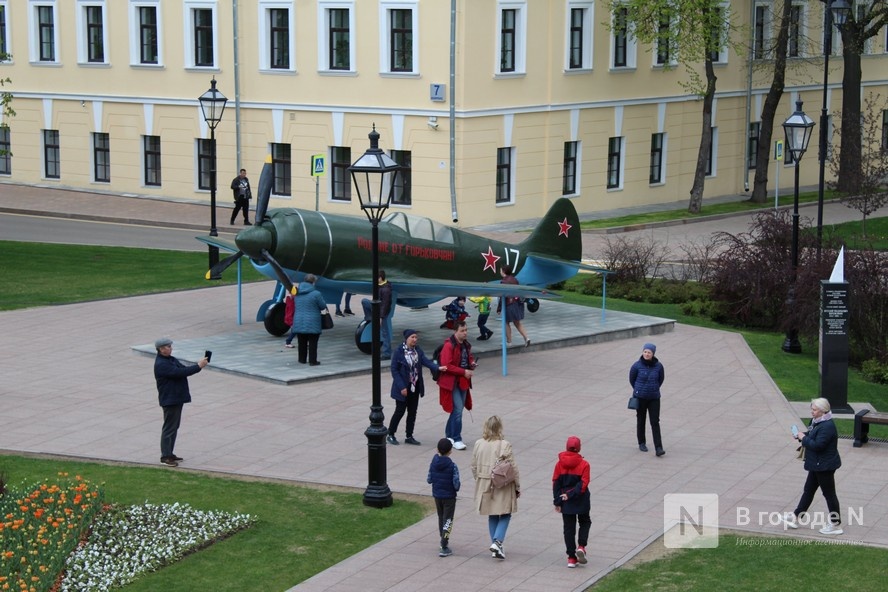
172, 392
240, 189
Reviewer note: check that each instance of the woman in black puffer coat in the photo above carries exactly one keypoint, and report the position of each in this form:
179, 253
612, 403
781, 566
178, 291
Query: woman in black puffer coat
646, 376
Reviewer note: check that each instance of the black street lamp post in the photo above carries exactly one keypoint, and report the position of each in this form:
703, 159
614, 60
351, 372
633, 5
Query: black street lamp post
212, 104
837, 12
374, 177
798, 128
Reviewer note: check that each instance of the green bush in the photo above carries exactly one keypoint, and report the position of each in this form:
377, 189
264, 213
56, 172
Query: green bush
875, 371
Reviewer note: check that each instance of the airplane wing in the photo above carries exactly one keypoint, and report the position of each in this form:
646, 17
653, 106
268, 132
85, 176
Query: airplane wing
215, 241
542, 263
417, 287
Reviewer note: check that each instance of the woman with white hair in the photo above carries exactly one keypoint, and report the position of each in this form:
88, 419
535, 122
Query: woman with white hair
822, 460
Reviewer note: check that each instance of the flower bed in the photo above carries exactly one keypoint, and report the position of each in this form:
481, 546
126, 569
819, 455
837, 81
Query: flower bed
40, 525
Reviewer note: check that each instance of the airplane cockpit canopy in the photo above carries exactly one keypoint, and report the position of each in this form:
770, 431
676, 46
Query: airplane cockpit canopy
421, 228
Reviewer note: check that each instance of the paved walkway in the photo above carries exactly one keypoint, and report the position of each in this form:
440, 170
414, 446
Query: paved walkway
71, 384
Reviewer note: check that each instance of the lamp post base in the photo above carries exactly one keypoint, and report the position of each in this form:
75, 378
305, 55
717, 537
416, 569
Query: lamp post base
377, 494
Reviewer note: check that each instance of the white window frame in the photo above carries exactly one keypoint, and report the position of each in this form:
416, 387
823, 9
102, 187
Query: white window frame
723, 50
324, 8
7, 31
673, 61
767, 33
520, 7
621, 182
82, 36
631, 46
189, 7
34, 28
513, 176
135, 39
385, 35
265, 8
588, 8
803, 41
664, 151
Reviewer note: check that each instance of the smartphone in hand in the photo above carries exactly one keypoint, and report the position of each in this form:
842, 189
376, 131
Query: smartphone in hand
795, 431
208, 354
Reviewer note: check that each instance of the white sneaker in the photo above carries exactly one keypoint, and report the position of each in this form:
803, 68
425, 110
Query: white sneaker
459, 445
832, 529
789, 521
496, 550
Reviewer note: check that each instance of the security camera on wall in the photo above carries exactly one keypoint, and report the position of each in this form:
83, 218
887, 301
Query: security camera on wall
433, 123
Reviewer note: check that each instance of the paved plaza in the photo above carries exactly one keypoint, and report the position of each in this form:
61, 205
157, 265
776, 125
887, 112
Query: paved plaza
73, 382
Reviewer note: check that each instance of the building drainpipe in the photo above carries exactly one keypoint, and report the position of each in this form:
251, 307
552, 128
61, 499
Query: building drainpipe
453, 111
749, 95
237, 111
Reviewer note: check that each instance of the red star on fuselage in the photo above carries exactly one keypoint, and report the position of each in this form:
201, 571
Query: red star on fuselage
563, 227
490, 259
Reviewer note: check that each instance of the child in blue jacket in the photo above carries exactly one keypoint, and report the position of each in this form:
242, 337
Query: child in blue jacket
444, 477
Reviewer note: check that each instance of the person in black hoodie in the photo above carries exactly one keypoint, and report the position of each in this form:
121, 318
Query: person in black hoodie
570, 492
646, 376
444, 478
821, 444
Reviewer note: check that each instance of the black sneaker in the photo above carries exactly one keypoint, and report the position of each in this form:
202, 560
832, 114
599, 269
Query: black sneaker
445, 552
643, 447
660, 452
177, 458
168, 461
392, 440
412, 440
339, 313
349, 312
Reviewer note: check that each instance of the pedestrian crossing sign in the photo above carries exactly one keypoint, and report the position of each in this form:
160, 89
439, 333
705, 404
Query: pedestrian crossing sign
317, 165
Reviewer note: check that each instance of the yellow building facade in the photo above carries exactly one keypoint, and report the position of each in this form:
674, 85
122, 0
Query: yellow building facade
495, 107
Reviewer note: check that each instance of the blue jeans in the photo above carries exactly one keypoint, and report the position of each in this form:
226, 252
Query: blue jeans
497, 525
453, 429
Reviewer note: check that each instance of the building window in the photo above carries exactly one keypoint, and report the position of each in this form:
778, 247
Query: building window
401, 58
151, 160
718, 52
621, 37
279, 38
201, 32
340, 47
884, 130
94, 34
503, 175
52, 166
146, 25
5, 151
403, 195
752, 144
204, 164
795, 31
4, 34
46, 33
282, 167
658, 146
507, 41
101, 158
579, 35
511, 28
760, 29
664, 43
569, 174
614, 162
340, 160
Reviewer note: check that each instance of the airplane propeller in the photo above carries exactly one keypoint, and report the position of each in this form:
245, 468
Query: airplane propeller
266, 179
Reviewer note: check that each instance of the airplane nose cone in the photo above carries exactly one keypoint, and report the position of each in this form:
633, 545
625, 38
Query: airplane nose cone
253, 239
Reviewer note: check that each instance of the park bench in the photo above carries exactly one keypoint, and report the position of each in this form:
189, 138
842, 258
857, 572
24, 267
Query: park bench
862, 421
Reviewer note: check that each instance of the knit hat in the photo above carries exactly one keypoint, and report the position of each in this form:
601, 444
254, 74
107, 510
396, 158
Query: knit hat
162, 342
573, 444
651, 347
409, 332
444, 445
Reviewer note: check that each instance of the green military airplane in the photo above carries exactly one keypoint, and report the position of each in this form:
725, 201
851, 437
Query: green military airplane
424, 260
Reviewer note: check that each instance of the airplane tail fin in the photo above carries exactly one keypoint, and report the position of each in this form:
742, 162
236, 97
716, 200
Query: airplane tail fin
557, 234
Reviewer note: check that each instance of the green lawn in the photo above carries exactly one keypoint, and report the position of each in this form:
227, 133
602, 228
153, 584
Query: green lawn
300, 531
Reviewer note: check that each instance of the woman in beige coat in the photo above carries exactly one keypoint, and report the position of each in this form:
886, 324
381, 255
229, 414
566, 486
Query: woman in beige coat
497, 504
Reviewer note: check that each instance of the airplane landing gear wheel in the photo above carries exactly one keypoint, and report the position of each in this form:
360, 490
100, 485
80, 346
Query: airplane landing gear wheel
366, 347
533, 304
274, 320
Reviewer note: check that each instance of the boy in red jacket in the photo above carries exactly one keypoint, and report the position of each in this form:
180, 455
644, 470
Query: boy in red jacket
570, 492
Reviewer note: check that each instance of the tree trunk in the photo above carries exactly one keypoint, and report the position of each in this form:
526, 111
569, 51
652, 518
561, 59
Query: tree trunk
769, 109
696, 203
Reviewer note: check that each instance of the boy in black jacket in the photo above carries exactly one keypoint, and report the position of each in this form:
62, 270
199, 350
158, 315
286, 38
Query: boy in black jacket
444, 477
570, 492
